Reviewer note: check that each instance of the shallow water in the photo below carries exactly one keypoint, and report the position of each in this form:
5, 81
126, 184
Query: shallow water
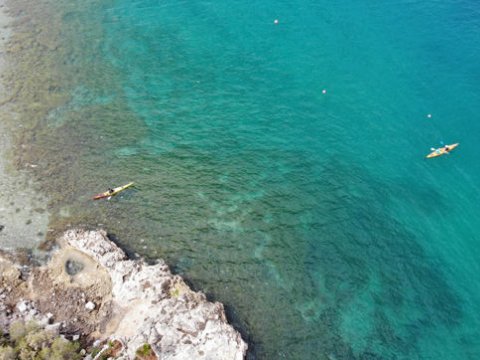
313, 215
23, 214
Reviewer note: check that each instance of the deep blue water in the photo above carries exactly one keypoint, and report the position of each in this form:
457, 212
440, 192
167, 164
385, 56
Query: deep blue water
312, 214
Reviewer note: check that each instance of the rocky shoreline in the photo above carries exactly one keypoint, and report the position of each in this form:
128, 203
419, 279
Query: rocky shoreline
90, 291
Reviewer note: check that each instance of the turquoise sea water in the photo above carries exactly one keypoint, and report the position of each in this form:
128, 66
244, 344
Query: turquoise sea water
313, 216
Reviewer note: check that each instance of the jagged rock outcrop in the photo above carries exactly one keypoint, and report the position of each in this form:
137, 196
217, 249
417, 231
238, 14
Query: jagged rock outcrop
91, 289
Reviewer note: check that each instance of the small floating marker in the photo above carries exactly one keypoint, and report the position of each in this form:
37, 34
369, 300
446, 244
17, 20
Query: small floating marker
275, 21
429, 116
324, 91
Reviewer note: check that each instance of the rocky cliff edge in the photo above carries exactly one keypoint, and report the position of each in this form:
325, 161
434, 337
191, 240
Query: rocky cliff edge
91, 291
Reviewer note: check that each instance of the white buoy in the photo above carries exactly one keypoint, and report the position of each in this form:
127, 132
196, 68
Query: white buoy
275, 21
324, 91
429, 115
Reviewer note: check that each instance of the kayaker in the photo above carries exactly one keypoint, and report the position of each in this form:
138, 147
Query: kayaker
445, 149
110, 190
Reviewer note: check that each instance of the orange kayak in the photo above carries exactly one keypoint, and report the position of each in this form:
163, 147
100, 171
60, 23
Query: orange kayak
114, 191
442, 151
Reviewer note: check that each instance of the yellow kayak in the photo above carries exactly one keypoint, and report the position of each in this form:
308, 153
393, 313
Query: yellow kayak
112, 192
442, 151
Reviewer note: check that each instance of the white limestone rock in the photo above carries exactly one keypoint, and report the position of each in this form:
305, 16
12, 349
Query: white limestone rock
158, 308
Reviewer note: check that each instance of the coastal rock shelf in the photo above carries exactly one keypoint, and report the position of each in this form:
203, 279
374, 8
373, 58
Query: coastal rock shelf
90, 289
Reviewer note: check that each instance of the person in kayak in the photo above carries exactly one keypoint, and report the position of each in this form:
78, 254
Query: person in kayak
445, 149
110, 190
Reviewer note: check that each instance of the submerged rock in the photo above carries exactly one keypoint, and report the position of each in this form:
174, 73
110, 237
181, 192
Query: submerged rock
112, 297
